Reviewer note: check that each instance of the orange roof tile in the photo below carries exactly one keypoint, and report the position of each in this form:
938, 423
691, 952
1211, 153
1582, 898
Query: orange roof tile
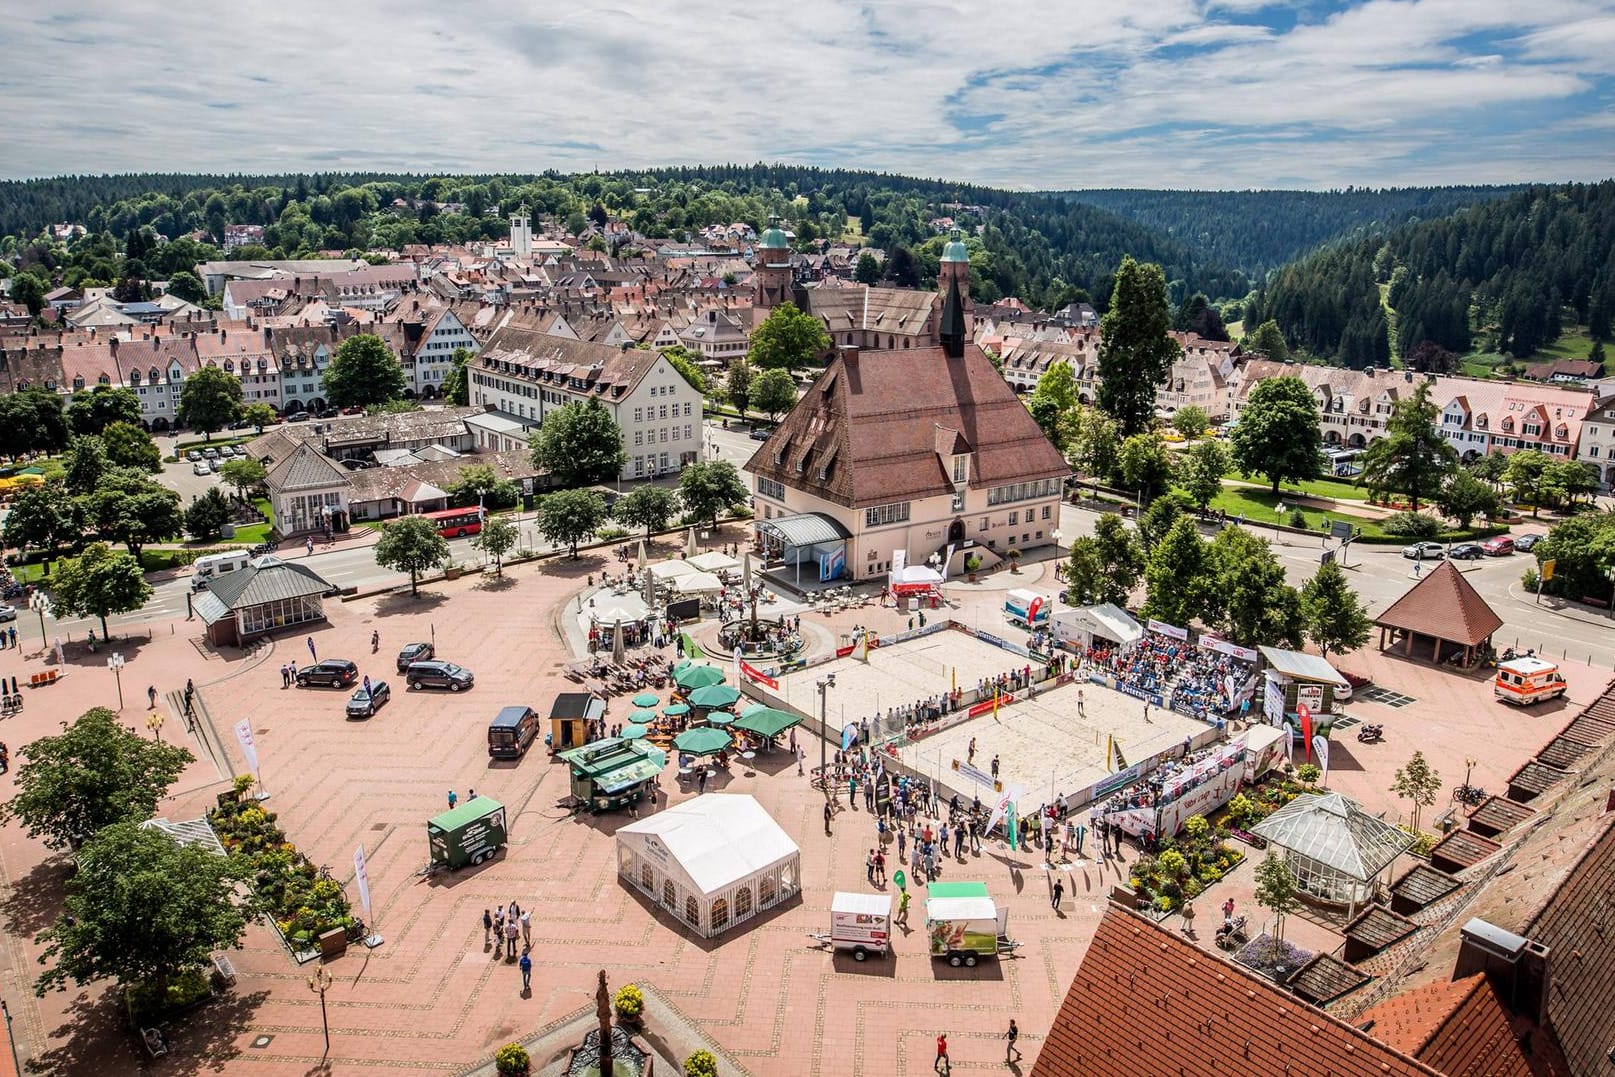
1445, 606
1146, 1002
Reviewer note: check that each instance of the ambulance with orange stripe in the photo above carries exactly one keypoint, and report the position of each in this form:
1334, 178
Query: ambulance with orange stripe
1527, 680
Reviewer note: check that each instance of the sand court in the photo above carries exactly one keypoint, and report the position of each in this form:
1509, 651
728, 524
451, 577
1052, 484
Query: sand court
1043, 745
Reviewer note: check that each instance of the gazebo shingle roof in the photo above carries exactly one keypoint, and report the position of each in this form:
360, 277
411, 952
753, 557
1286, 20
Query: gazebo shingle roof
1445, 606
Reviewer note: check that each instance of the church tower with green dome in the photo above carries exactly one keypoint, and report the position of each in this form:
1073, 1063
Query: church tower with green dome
954, 272
773, 266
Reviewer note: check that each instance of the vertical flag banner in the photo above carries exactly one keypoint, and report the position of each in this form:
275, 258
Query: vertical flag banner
249, 747
1304, 712
1012, 826
361, 875
1320, 745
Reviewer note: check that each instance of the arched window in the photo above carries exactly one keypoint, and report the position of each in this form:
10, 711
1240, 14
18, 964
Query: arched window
647, 878
743, 903
670, 896
154, 376
78, 382
765, 891
692, 910
720, 913
103, 380
134, 377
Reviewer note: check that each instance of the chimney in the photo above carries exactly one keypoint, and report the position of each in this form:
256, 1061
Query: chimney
114, 347
848, 353
1517, 967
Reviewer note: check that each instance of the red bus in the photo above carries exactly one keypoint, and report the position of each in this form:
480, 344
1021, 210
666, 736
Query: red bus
457, 523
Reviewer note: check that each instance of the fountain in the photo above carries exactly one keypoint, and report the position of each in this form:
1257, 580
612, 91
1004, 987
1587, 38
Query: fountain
606, 1050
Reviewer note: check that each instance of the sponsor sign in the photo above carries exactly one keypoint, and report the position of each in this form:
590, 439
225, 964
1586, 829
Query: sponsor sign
1169, 630
1140, 693
249, 747
1112, 782
361, 875
757, 676
1222, 646
989, 704
973, 773
1309, 696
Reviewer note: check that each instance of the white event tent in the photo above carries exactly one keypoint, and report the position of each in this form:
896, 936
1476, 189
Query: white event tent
712, 861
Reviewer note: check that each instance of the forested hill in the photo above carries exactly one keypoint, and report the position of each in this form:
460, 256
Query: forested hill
1255, 231
1503, 275
1043, 248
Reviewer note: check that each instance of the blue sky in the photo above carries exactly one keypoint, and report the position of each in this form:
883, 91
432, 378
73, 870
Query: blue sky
1085, 93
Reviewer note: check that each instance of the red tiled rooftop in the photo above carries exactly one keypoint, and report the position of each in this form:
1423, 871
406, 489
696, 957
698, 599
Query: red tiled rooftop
1147, 1002
1443, 605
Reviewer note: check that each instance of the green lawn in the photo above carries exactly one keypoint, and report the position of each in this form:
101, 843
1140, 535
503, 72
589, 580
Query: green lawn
1257, 506
1335, 488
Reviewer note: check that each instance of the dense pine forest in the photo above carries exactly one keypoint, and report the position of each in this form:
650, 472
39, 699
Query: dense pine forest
1257, 231
1505, 276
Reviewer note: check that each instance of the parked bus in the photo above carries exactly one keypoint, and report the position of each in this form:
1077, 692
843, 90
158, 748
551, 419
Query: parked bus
457, 523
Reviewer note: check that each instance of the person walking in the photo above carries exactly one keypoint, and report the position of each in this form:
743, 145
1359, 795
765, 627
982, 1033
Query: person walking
1188, 918
970, 754
527, 928
487, 927
1080, 713
869, 867
151, 697
902, 843
526, 965
942, 1064
902, 909
1059, 893
453, 799
829, 813
1228, 909
880, 867
995, 766
1009, 1047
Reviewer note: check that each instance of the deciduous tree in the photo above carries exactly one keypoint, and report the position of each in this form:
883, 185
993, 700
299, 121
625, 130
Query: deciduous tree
259, 415
568, 517
773, 392
94, 773
210, 400
738, 385
1135, 352
1121, 558
363, 372
142, 909
1146, 466
129, 507
1268, 339
93, 411
244, 473
187, 286
100, 582
707, 489
129, 446
787, 339
580, 444
457, 386
497, 538
207, 515
1417, 783
411, 545
1191, 421
1413, 457
1278, 434
85, 463
1335, 617
1526, 475
1276, 891
1178, 575
1093, 442
868, 270
32, 421
44, 517
648, 506
1200, 470
1465, 496
1249, 596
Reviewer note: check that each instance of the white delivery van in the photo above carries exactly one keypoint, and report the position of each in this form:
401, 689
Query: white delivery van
204, 570
861, 923
1027, 609
1527, 680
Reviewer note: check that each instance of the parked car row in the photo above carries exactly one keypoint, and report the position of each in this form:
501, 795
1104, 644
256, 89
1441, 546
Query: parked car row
215, 452
1498, 546
416, 662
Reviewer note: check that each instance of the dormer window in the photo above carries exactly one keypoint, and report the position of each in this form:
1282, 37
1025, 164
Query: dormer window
1480, 422
961, 467
104, 380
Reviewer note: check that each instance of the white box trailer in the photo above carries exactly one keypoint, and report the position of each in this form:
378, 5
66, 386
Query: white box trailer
861, 924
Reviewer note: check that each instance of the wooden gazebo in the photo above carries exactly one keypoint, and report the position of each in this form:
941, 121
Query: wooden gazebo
1440, 616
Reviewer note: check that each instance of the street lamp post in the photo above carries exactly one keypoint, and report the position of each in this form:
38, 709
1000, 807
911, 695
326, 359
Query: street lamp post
824, 685
39, 602
115, 664
319, 983
154, 722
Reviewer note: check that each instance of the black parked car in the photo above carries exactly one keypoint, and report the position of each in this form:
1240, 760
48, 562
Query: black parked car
1468, 551
414, 652
331, 673
438, 675
363, 703
1527, 543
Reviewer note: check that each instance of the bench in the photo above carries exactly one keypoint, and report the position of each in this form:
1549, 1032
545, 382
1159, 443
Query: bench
223, 970
1589, 600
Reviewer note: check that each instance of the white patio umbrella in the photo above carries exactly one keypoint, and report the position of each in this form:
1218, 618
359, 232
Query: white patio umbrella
640, 561
689, 544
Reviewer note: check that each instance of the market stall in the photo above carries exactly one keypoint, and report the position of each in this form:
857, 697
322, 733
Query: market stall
614, 772
713, 861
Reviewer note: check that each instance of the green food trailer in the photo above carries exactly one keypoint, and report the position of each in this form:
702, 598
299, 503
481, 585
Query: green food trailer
612, 773
963, 925
468, 834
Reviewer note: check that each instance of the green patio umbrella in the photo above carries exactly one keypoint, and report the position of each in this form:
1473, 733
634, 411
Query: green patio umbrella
766, 721
750, 707
706, 740
698, 677
646, 699
642, 716
674, 710
719, 718
633, 731
714, 695
681, 665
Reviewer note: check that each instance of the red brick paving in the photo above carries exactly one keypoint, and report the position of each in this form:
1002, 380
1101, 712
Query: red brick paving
432, 998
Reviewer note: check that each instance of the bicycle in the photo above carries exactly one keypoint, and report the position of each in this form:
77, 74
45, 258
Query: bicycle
1468, 795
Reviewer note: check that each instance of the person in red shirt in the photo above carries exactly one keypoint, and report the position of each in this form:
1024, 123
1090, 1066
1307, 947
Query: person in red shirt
943, 1064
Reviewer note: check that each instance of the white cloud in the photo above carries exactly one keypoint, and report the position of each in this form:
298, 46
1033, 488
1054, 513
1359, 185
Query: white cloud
1141, 92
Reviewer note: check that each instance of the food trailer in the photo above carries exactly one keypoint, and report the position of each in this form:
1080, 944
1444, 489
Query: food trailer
468, 834
1027, 609
963, 925
860, 924
613, 773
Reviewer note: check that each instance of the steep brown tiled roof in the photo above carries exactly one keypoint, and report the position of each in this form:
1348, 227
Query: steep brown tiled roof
1324, 978
1496, 815
1463, 1029
1563, 752
1375, 928
870, 420
1445, 606
1145, 1002
1423, 885
1533, 779
1462, 849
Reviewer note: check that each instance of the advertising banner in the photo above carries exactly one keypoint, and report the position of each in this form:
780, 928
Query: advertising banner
1169, 630
361, 875
249, 747
1222, 646
757, 676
